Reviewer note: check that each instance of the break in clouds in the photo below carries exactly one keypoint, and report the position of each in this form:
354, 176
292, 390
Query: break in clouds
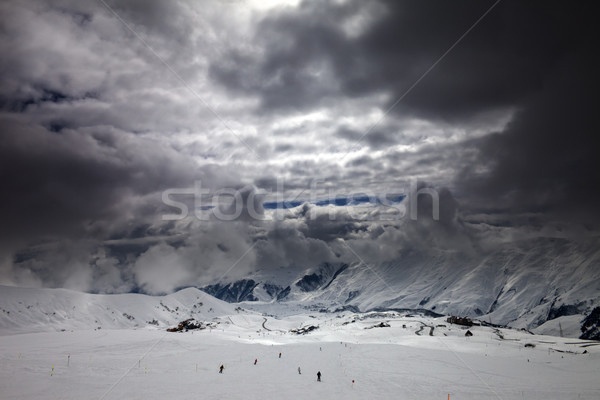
105, 105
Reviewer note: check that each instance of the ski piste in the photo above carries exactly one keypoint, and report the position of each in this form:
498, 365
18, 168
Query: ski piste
118, 346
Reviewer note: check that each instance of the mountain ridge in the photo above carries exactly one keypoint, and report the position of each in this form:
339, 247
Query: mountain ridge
524, 284
25, 310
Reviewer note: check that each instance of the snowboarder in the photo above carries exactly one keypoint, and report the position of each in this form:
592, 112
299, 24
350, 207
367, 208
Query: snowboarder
279, 355
221, 368
319, 376
255, 361
299, 371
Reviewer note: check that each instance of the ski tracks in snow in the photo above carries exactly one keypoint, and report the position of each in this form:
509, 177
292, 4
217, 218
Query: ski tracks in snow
263, 325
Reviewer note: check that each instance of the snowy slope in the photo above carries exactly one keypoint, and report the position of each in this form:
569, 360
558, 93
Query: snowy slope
407, 360
522, 287
35, 310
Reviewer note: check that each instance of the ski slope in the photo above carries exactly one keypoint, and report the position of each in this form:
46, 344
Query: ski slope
407, 360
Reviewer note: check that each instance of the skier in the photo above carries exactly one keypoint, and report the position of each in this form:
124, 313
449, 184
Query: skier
221, 368
319, 376
255, 361
279, 355
299, 371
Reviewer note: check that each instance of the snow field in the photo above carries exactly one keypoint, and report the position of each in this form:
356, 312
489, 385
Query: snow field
133, 357
386, 363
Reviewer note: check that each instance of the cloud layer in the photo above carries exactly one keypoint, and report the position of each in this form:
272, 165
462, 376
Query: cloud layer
104, 106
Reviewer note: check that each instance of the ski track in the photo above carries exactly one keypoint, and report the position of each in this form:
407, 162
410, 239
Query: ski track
263, 325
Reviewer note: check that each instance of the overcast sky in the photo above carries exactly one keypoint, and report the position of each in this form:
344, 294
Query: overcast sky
105, 105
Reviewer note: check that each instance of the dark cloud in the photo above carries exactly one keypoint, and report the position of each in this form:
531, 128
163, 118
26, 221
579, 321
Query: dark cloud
545, 160
494, 66
310, 56
328, 226
61, 182
287, 104
286, 246
294, 72
381, 137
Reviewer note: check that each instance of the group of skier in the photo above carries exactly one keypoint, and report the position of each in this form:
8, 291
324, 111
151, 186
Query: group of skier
222, 367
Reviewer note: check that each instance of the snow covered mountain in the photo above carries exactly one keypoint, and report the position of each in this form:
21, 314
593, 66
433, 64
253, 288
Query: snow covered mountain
547, 284
24, 310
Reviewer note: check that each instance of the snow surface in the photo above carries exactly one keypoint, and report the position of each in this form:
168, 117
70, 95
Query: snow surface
24, 310
130, 359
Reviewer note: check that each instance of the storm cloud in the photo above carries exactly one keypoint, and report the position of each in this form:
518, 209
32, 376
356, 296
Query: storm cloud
104, 106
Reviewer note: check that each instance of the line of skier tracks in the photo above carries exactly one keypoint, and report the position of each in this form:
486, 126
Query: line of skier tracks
263, 325
423, 326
